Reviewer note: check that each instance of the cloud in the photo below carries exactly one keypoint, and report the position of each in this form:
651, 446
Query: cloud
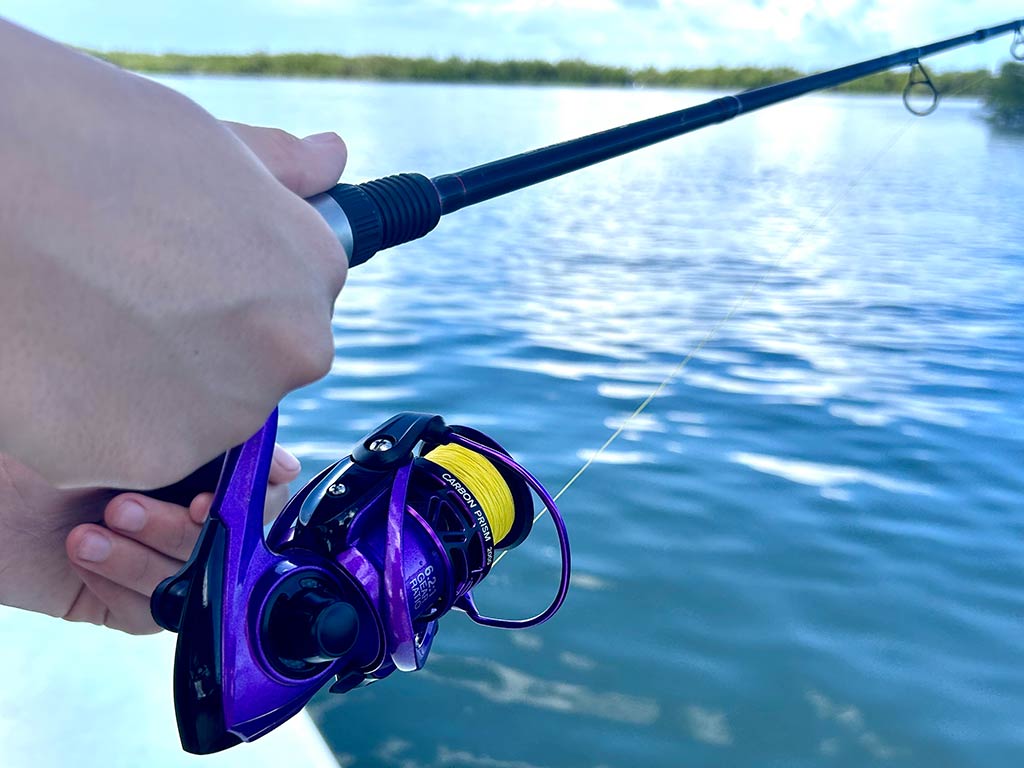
641, 4
807, 34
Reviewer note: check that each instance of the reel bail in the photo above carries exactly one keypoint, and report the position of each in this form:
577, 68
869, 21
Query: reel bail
352, 578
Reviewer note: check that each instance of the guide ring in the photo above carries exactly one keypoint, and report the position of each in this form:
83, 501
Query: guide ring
1017, 46
918, 80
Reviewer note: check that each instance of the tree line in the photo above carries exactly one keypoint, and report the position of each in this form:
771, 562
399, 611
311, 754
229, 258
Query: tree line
570, 72
1006, 97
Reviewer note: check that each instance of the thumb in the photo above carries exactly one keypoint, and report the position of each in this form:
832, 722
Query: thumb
305, 166
285, 467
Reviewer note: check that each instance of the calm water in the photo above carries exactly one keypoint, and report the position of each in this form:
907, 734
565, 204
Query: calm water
810, 549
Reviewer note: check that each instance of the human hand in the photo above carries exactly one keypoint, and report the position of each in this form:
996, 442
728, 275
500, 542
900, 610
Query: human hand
164, 284
55, 559
304, 166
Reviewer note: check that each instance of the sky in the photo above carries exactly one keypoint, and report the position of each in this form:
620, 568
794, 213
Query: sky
805, 34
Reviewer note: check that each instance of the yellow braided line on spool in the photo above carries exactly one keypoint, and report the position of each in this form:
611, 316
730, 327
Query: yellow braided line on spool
483, 480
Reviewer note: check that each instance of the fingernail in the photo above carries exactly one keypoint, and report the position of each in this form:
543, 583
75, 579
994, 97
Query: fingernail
128, 516
287, 461
94, 547
328, 137
199, 517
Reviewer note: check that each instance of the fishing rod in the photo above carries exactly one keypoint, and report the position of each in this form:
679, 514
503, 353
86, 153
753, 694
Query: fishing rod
375, 215
354, 575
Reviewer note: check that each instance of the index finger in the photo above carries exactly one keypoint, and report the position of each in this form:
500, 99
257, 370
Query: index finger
305, 166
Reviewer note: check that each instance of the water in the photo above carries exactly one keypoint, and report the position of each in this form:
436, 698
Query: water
809, 550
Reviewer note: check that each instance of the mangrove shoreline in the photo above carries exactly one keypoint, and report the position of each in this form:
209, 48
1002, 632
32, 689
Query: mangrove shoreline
531, 72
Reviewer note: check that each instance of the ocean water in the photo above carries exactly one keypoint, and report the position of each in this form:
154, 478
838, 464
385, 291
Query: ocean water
809, 549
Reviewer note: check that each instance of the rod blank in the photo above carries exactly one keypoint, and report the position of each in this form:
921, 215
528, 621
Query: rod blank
378, 214
483, 182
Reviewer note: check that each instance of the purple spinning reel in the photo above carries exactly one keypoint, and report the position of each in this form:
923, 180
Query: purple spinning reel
351, 580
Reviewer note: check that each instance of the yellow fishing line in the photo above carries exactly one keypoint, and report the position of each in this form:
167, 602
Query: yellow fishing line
483, 480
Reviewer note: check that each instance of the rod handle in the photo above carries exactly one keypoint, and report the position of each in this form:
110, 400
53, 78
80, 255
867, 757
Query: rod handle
379, 214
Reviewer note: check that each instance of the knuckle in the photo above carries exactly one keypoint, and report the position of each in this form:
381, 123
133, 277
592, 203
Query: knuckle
141, 568
325, 255
280, 137
283, 158
181, 542
286, 172
316, 356
303, 348
143, 627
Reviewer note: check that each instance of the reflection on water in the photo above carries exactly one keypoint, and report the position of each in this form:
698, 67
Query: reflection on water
809, 549
824, 477
496, 682
709, 726
852, 731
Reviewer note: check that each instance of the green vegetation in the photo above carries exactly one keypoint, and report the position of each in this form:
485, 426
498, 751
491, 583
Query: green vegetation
1006, 97
456, 70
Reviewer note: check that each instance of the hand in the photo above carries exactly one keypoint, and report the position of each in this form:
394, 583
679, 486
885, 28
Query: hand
55, 559
164, 284
304, 166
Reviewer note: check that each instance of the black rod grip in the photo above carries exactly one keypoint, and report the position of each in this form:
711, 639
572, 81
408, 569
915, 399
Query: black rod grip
387, 212
203, 480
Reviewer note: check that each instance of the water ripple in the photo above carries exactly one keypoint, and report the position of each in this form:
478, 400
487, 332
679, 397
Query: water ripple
823, 476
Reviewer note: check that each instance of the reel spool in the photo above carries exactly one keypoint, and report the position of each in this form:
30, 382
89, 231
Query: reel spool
352, 578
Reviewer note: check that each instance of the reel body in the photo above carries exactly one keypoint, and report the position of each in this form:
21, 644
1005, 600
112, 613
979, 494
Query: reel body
351, 580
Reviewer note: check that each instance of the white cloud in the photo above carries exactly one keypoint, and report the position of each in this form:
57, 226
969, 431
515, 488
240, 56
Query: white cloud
807, 34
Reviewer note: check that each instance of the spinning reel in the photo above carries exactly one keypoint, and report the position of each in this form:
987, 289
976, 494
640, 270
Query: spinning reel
351, 580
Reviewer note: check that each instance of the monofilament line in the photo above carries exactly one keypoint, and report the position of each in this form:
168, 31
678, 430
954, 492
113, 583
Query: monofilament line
736, 306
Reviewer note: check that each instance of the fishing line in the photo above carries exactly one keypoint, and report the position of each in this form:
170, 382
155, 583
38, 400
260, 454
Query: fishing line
752, 289
736, 306
483, 480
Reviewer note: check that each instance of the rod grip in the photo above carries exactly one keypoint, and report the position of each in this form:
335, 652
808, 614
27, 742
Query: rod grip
203, 480
386, 212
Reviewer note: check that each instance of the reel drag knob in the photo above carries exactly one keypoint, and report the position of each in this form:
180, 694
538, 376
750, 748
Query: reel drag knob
307, 625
